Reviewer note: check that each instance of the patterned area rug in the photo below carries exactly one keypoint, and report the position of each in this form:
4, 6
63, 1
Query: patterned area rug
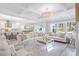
35, 48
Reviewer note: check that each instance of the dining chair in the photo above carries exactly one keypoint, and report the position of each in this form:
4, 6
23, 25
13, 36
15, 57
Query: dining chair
8, 35
14, 36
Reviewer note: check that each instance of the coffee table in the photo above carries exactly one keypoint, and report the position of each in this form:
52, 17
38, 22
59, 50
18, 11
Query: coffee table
50, 44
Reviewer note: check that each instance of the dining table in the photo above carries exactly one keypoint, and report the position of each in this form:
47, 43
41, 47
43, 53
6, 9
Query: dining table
10, 35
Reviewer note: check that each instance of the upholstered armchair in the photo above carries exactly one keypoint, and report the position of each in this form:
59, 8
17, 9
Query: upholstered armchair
42, 38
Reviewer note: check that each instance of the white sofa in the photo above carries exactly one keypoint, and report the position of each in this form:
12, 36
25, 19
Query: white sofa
57, 37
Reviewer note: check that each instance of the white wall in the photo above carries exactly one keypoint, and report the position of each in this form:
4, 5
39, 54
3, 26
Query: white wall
77, 39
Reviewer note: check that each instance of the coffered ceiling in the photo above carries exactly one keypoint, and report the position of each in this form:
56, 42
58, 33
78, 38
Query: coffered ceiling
31, 12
